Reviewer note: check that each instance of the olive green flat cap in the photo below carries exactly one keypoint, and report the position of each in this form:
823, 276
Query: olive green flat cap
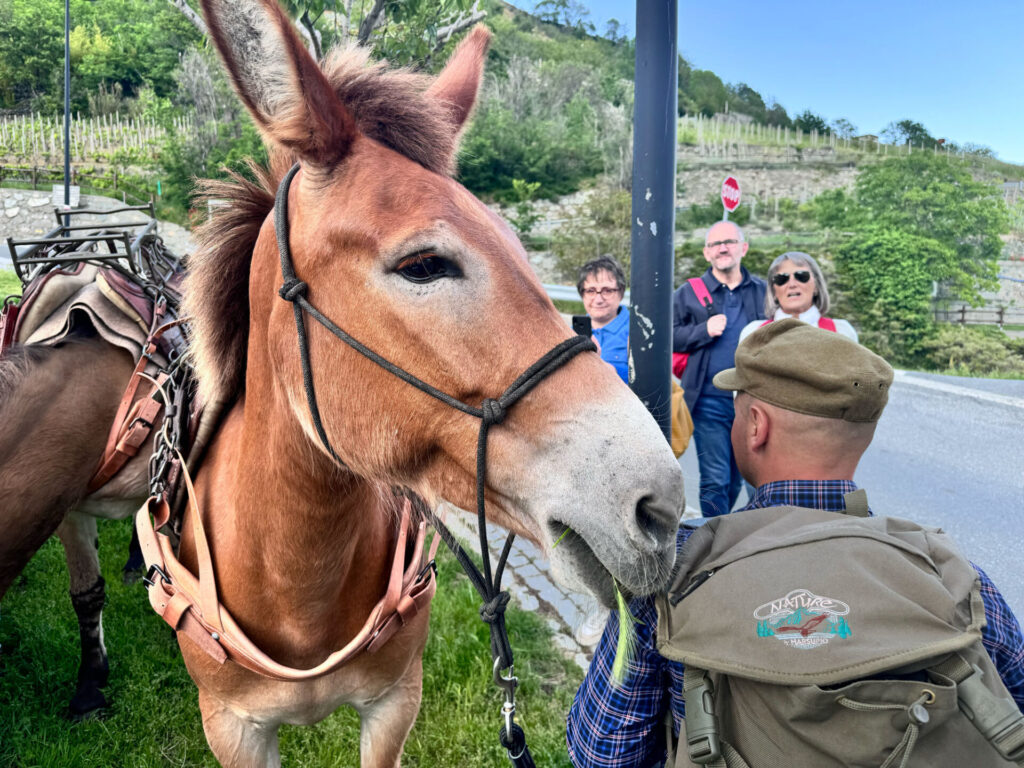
801, 368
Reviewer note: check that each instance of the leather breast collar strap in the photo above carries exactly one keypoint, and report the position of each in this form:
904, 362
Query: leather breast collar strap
490, 412
191, 606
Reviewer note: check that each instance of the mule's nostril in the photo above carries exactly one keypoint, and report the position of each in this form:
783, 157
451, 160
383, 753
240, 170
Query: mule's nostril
655, 521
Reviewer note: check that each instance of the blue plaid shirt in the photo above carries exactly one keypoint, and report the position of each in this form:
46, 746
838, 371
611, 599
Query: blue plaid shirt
624, 726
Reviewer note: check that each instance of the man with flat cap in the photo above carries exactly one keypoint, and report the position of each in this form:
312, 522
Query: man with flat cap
807, 403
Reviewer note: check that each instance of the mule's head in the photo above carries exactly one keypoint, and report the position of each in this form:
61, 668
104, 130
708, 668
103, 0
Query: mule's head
408, 262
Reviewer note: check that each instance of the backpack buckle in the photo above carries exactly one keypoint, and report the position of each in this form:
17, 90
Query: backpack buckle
1010, 741
701, 724
997, 718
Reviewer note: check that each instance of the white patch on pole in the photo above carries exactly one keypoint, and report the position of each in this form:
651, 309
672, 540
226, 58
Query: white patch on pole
644, 323
654, 228
648, 195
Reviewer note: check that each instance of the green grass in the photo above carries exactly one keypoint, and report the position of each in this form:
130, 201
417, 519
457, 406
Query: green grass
9, 283
154, 718
569, 307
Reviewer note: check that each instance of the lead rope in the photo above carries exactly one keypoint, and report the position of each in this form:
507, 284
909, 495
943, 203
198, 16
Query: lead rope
490, 412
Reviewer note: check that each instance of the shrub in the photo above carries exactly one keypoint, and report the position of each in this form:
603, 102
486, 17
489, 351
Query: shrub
973, 350
603, 229
887, 279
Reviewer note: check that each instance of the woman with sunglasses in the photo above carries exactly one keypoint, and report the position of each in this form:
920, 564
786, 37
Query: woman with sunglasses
796, 288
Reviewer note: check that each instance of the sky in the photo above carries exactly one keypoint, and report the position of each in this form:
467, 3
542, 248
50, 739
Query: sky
955, 67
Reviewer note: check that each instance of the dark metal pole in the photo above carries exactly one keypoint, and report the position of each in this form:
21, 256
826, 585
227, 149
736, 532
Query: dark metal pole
654, 194
67, 110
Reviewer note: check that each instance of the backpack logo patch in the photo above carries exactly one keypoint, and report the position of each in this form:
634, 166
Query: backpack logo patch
803, 619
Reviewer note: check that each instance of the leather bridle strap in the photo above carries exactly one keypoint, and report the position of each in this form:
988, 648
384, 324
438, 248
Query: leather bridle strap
490, 412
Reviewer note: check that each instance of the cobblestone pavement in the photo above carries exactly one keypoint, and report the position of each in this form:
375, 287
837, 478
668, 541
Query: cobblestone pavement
576, 620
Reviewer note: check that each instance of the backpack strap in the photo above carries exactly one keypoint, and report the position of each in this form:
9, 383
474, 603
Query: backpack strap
701, 290
827, 324
857, 503
996, 718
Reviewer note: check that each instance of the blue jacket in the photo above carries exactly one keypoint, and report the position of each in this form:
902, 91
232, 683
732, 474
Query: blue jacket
689, 324
614, 341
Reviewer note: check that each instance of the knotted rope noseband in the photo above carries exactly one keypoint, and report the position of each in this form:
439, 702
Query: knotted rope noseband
490, 412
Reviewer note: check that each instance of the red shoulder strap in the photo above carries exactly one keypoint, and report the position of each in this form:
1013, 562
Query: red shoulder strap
701, 290
827, 324
766, 322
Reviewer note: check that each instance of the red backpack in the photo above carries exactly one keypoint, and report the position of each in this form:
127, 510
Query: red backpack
680, 359
825, 323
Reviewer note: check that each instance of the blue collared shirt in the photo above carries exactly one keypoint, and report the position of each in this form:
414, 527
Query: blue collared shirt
614, 341
623, 726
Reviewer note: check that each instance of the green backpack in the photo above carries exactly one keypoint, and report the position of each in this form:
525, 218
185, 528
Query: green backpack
815, 639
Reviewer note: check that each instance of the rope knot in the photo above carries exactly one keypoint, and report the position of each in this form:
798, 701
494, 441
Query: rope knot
494, 412
292, 289
494, 609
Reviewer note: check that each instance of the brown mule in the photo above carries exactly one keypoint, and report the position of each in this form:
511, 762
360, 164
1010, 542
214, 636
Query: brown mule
405, 260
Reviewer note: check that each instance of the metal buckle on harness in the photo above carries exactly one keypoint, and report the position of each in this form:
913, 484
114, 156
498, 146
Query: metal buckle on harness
701, 724
155, 570
508, 709
430, 566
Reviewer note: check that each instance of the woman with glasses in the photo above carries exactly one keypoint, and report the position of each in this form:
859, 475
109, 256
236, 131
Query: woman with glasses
796, 288
601, 285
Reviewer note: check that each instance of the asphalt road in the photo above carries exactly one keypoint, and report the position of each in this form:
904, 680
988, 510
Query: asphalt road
949, 452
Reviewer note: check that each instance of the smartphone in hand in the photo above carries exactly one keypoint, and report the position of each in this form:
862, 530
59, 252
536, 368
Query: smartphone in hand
581, 325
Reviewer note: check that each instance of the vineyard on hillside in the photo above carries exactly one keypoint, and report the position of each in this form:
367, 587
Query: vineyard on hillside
38, 140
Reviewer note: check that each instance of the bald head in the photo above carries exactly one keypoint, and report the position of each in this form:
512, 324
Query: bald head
724, 248
772, 443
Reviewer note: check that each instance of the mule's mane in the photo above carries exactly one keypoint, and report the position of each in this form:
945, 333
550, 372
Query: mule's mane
389, 106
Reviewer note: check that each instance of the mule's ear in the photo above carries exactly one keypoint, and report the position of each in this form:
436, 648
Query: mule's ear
459, 81
278, 80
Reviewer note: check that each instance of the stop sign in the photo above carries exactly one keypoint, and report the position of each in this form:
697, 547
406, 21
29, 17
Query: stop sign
730, 193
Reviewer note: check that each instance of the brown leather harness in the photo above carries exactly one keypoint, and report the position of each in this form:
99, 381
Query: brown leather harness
191, 606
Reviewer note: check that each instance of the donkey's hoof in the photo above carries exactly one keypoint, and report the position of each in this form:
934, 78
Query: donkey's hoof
88, 704
131, 575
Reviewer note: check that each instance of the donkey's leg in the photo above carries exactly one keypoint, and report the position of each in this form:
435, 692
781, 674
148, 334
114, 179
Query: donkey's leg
135, 566
78, 535
387, 720
237, 741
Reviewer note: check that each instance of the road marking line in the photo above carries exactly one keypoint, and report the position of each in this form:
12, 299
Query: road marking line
905, 377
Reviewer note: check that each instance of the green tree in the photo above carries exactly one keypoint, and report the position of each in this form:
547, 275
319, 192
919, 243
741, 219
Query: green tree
931, 196
918, 220
886, 276
843, 128
808, 121
776, 115
746, 100
526, 216
907, 130
616, 31
707, 91
604, 228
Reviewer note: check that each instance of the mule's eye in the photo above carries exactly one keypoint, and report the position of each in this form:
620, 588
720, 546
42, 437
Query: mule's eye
425, 267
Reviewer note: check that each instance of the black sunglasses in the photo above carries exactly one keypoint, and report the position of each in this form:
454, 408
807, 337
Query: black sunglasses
801, 275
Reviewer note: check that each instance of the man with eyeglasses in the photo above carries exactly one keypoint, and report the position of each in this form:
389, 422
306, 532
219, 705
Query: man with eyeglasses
601, 285
708, 314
